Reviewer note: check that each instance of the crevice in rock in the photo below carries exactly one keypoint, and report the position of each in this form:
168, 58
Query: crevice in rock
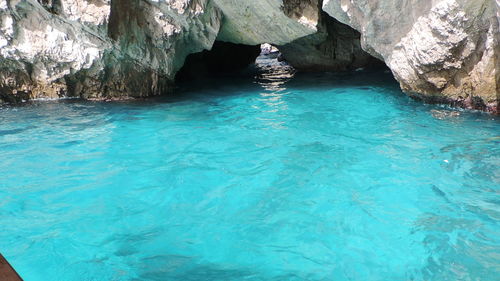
53, 6
120, 14
335, 47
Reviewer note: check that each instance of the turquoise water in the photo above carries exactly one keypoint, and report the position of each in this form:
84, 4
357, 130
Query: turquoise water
263, 176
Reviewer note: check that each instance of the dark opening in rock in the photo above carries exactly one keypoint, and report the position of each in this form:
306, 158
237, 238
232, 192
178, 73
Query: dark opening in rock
222, 58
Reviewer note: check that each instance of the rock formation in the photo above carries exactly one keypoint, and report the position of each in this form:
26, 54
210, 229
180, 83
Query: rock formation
335, 47
99, 48
443, 51
440, 50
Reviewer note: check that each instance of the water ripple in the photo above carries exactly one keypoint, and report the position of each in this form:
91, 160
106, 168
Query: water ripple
281, 176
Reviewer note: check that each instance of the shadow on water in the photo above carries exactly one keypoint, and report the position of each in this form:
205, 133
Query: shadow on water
175, 267
267, 75
171, 267
270, 75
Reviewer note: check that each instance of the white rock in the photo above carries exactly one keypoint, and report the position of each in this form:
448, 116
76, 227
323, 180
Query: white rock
442, 50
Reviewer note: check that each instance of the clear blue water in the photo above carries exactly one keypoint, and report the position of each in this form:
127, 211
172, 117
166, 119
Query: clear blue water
263, 177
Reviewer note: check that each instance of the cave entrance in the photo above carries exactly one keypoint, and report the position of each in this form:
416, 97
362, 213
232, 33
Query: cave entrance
223, 58
228, 58
335, 47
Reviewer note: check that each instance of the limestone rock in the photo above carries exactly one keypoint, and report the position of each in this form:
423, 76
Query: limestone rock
335, 47
99, 48
267, 21
38, 49
151, 41
445, 51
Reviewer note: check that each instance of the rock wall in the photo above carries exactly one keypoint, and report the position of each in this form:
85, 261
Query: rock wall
439, 50
335, 47
267, 21
442, 51
38, 49
308, 38
99, 49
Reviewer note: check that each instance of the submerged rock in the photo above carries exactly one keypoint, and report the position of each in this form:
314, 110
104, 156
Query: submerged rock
444, 51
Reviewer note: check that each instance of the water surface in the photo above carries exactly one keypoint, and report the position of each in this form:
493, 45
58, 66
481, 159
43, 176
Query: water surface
263, 176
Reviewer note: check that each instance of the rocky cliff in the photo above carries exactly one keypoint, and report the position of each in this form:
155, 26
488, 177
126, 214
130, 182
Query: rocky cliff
439, 50
446, 51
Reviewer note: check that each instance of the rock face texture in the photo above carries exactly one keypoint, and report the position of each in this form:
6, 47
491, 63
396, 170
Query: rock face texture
38, 48
267, 21
308, 38
439, 50
99, 48
444, 51
335, 47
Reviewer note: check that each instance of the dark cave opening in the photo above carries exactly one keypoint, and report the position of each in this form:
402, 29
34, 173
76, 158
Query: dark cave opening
235, 66
223, 58
335, 47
